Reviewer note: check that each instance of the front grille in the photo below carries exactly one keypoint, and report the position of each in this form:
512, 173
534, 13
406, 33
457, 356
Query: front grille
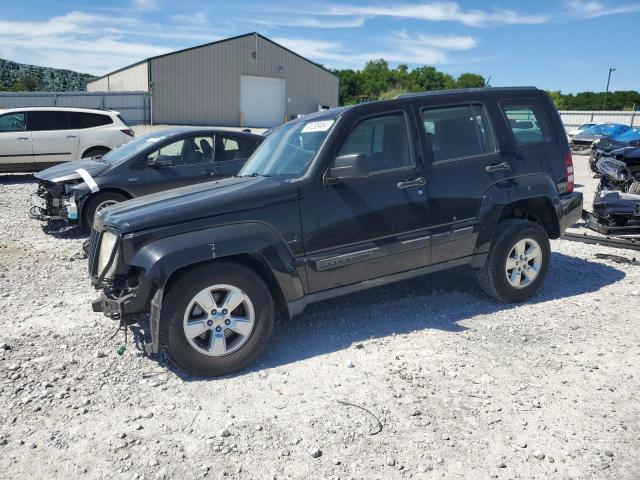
94, 245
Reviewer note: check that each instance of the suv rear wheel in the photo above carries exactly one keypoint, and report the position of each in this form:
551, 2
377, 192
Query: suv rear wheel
216, 319
95, 152
517, 263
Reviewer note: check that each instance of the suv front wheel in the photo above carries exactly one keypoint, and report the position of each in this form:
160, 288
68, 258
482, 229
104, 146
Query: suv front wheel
517, 263
216, 319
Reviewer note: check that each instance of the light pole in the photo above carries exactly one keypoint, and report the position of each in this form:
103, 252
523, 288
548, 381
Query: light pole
607, 90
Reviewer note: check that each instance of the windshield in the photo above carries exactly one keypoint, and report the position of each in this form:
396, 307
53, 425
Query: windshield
128, 150
289, 150
629, 135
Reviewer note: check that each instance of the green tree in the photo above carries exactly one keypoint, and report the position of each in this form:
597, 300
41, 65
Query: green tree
376, 77
28, 83
558, 99
470, 80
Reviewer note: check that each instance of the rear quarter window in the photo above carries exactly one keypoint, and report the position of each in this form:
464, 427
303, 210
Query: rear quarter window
528, 122
80, 120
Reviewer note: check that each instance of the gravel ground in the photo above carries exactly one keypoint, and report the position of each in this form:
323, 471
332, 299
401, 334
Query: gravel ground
462, 387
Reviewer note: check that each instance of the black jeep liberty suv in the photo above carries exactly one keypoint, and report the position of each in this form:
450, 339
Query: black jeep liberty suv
335, 202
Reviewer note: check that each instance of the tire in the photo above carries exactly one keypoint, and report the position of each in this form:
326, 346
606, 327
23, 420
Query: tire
95, 152
97, 202
198, 355
634, 188
493, 277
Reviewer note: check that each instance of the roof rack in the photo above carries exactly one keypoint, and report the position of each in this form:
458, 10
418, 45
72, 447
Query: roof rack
463, 90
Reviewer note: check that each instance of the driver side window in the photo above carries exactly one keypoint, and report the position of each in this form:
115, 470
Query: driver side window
383, 140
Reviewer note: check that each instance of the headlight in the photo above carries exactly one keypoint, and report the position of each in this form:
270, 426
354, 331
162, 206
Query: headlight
107, 245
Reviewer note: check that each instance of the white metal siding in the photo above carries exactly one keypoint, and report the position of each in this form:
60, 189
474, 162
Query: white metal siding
572, 119
100, 85
262, 101
201, 86
132, 79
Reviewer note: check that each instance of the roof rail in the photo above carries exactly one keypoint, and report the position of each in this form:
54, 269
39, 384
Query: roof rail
461, 90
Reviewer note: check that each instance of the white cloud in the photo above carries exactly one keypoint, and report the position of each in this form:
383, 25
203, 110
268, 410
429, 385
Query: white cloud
199, 18
77, 41
436, 12
400, 48
312, 22
145, 4
593, 9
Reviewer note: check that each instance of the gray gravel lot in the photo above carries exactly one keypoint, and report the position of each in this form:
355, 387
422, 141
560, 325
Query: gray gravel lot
464, 387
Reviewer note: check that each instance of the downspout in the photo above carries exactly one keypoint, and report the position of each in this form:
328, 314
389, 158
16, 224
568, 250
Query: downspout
150, 82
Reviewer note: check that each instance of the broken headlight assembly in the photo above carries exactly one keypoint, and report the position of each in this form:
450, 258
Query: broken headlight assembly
107, 254
613, 168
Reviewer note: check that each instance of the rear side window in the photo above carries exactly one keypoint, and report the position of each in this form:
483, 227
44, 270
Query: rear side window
528, 122
383, 140
13, 122
457, 132
42, 121
234, 148
88, 120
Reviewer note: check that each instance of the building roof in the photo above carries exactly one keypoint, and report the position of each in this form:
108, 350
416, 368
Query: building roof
208, 45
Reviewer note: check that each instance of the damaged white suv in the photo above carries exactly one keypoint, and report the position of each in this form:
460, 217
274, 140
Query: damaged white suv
35, 138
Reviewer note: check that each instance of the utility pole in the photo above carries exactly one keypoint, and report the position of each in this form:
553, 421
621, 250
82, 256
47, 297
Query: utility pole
604, 105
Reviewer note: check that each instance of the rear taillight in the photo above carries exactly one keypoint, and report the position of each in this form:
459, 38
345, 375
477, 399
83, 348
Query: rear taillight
128, 131
568, 167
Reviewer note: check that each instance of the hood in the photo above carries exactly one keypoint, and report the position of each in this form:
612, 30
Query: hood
195, 202
69, 170
608, 144
631, 153
587, 138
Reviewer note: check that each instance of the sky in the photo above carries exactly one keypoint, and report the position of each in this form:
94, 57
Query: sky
566, 45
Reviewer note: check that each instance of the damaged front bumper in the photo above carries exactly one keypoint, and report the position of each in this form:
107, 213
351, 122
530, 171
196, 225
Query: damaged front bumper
127, 305
52, 203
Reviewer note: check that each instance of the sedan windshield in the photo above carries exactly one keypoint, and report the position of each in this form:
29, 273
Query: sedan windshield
289, 150
128, 150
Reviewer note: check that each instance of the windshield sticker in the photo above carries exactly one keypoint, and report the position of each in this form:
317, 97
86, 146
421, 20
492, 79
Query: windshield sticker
321, 126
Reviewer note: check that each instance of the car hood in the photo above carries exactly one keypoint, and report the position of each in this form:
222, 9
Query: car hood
69, 170
608, 144
195, 202
587, 138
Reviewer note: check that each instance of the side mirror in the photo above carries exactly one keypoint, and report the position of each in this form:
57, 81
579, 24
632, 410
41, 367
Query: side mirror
160, 161
349, 166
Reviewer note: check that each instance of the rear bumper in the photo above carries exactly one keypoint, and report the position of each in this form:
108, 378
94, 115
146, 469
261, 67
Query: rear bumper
570, 210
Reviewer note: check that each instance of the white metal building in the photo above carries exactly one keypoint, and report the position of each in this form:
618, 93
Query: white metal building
247, 80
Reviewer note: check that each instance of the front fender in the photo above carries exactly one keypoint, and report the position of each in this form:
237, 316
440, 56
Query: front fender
509, 191
160, 259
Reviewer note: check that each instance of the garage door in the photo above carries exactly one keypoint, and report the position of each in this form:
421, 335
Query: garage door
262, 101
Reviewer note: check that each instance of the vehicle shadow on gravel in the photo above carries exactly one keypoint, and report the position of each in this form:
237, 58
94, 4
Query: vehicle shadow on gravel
437, 301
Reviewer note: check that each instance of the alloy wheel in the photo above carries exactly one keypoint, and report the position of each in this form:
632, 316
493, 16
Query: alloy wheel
219, 320
523, 263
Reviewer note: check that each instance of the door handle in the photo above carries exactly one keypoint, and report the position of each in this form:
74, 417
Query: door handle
417, 182
497, 167
71, 136
22, 139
